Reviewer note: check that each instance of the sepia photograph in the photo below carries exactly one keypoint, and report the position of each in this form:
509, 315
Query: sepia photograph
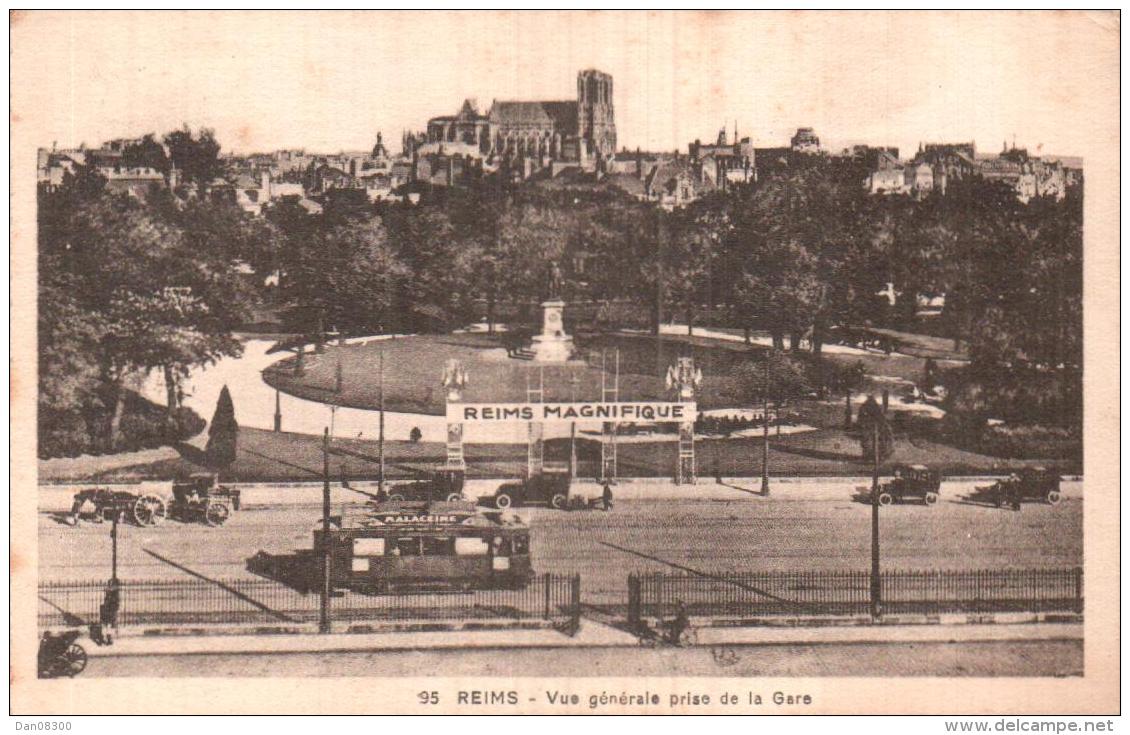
587, 362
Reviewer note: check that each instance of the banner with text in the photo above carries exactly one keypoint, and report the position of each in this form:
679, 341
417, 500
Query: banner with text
620, 412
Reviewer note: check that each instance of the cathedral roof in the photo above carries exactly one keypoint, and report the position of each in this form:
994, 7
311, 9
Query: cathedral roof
561, 116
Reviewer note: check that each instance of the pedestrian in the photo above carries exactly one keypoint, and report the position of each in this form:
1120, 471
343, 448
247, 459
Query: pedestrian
678, 625
606, 495
103, 631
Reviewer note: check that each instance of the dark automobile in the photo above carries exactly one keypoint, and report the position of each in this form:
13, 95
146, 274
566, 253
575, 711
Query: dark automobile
442, 485
911, 482
1030, 484
101, 504
201, 499
550, 486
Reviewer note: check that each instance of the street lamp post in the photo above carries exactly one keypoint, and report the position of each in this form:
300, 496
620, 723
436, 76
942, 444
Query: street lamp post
573, 380
381, 429
324, 611
114, 549
876, 581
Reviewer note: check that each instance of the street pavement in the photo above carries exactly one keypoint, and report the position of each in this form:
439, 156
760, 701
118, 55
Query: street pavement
709, 528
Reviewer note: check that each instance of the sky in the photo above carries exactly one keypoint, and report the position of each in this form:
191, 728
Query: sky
330, 81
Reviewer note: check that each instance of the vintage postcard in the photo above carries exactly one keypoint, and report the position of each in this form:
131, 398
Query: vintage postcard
564, 362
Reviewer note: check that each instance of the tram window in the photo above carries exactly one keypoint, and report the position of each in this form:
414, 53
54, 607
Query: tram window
407, 547
470, 546
521, 545
501, 546
439, 546
368, 547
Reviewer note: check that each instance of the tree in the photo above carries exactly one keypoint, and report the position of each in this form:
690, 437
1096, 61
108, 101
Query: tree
223, 433
787, 378
475, 213
873, 424
348, 277
149, 294
197, 157
689, 274
147, 153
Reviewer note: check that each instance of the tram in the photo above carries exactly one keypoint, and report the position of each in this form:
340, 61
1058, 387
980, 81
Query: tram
404, 545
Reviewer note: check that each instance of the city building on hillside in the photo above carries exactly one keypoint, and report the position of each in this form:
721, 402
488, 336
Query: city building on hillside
580, 132
886, 181
875, 158
805, 141
919, 179
722, 163
137, 181
673, 183
937, 165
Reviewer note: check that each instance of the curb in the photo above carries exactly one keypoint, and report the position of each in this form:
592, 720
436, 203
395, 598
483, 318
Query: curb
141, 631
594, 636
949, 619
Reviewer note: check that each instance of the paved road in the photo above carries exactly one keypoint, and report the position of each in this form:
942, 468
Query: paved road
1028, 658
799, 527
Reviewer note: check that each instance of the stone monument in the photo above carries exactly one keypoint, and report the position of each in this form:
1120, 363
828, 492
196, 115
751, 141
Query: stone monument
552, 345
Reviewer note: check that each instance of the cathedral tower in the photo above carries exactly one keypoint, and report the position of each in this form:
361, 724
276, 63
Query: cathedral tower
596, 121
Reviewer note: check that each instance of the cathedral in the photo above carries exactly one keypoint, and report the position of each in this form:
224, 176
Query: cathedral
581, 131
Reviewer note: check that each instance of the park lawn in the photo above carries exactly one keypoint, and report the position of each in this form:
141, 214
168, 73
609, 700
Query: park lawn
265, 456
414, 365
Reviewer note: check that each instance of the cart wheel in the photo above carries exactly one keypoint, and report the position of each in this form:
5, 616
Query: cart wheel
216, 513
454, 498
74, 659
1053, 497
931, 498
503, 501
396, 498
149, 510
558, 501
886, 499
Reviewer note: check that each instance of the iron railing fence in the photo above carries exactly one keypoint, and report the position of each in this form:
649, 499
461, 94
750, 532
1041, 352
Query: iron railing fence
548, 597
657, 595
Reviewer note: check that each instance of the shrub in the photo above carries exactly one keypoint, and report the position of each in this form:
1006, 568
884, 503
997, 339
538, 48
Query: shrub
223, 432
62, 434
186, 424
1017, 396
1031, 442
415, 435
145, 425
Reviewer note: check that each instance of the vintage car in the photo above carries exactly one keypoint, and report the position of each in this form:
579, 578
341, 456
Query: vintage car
911, 482
443, 484
419, 545
550, 487
101, 504
201, 499
1030, 484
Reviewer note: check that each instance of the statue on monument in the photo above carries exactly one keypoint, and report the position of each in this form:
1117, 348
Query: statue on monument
553, 344
554, 281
